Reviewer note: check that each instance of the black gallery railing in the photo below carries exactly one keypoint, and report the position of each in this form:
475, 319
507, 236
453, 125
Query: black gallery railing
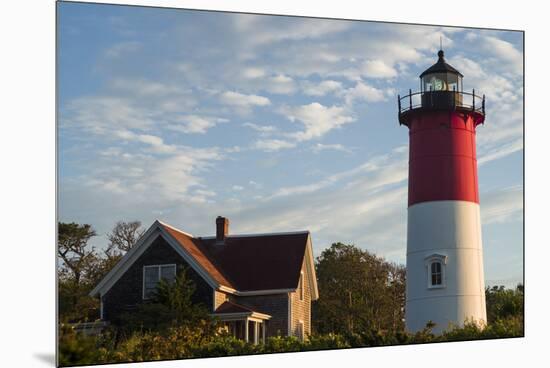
441, 100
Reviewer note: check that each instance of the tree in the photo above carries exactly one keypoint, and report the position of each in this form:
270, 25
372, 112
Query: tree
78, 265
123, 237
72, 248
504, 303
171, 306
178, 297
360, 292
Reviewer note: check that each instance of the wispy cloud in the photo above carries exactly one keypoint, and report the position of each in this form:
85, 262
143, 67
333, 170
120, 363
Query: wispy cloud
272, 145
119, 49
316, 119
330, 147
502, 205
194, 124
322, 88
262, 129
242, 100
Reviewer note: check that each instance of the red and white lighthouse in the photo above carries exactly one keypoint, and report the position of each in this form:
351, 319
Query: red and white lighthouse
445, 282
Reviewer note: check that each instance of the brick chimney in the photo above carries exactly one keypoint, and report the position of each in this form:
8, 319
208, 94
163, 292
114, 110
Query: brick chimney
222, 228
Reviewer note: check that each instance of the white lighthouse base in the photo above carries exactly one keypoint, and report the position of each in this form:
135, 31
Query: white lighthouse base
448, 232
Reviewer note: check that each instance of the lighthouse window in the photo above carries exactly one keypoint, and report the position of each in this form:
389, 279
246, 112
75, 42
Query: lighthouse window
436, 273
435, 270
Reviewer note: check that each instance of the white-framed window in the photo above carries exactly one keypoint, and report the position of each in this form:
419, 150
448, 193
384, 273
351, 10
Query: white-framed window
435, 270
301, 286
153, 274
301, 334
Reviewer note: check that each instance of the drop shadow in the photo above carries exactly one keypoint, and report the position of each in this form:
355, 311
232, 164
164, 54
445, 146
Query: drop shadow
46, 358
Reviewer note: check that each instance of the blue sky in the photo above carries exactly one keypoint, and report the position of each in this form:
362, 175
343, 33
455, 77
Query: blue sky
279, 123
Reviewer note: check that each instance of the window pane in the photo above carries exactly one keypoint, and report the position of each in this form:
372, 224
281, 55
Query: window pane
151, 275
168, 273
435, 273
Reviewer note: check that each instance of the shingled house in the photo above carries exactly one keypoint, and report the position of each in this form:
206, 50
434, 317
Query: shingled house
258, 285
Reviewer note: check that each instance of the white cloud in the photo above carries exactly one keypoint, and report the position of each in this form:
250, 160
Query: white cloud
364, 92
102, 114
378, 69
280, 84
243, 100
253, 73
317, 119
133, 177
257, 30
272, 145
144, 87
469, 67
194, 124
150, 139
237, 188
262, 129
505, 51
322, 88
333, 147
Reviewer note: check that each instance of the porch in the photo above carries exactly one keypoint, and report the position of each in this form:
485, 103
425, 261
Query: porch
242, 322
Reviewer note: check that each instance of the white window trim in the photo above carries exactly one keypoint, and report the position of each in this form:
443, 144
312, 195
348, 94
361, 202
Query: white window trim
429, 260
159, 277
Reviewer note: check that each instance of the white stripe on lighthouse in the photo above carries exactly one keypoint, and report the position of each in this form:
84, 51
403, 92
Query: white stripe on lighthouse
451, 230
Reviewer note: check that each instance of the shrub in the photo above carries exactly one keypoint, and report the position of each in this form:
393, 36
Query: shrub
328, 341
76, 348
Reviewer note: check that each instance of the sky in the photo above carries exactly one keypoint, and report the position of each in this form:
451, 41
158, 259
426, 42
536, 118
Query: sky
278, 123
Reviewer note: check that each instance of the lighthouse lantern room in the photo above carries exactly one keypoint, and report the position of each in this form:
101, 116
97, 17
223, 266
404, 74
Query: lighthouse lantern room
445, 282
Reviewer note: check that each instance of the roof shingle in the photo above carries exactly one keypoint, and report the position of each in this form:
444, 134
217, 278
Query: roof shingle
251, 262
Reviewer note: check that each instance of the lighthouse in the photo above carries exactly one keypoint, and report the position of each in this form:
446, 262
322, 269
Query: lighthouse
445, 282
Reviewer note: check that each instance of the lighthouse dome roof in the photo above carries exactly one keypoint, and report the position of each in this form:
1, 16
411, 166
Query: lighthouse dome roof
440, 67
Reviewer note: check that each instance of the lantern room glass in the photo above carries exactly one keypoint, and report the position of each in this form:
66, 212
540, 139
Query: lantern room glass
441, 82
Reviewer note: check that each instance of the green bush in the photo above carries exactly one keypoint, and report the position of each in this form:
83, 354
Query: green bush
328, 341
224, 346
193, 342
76, 348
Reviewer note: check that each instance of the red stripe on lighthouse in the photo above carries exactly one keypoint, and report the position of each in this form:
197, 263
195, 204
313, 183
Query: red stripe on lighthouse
442, 157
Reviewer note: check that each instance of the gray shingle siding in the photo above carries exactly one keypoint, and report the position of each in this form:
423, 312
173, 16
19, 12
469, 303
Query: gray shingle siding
301, 309
127, 293
275, 305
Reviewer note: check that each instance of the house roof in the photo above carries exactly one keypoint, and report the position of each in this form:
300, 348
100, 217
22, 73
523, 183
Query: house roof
199, 252
228, 310
261, 262
244, 264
